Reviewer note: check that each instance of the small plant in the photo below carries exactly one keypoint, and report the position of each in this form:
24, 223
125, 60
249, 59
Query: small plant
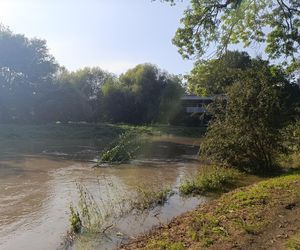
210, 179
76, 224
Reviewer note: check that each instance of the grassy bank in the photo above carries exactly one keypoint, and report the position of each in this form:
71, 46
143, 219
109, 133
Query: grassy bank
263, 215
211, 179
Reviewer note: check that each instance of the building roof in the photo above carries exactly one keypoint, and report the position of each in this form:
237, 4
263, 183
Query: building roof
194, 97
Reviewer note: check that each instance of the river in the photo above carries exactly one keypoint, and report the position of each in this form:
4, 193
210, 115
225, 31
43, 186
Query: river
38, 183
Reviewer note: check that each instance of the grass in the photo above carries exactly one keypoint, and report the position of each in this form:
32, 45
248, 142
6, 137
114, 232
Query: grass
235, 219
92, 216
150, 197
89, 215
294, 242
210, 179
165, 245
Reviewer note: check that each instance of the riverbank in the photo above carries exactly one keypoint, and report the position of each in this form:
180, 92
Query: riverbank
265, 215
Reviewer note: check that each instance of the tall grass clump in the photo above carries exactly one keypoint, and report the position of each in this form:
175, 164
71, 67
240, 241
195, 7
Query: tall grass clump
91, 215
150, 197
210, 179
127, 147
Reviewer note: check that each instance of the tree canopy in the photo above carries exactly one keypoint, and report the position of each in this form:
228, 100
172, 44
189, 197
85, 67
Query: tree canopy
143, 94
220, 23
26, 69
213, 77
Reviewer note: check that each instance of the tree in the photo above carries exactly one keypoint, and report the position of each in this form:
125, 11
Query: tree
245, 133
26, 70
212, 77
170, 104
220, 23
139, 96
88, 83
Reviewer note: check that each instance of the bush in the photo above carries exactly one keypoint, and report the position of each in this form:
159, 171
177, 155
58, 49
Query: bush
210, 179
245, 133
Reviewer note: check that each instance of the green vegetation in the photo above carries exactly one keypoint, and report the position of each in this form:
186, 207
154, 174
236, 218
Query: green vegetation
150, 197
291, 135
36, 90
76, 224
294, 242
135, 140
91, 215
235, 218
272, 24
142, 95
211, 179
250, 125
165, 245
125, 149
213, 77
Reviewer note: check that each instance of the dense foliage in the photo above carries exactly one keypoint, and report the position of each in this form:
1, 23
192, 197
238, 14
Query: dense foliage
246, 130
26, 71
143, 94
212, 77
220, 23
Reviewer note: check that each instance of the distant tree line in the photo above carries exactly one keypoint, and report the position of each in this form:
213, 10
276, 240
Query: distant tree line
34, 88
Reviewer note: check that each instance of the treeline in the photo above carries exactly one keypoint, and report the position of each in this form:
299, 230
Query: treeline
34, 88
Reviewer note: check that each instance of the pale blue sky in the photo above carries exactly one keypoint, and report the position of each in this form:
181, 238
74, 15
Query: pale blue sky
112, 34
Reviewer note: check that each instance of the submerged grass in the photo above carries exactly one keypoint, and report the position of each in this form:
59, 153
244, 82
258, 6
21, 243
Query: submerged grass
210, 179
150, 197
92, 215
126, 148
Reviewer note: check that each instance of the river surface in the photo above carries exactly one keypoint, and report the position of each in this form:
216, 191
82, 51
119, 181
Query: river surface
38, 183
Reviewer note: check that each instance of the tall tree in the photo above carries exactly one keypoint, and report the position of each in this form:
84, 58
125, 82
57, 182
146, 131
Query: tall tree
207, 23
26, 68
140, 95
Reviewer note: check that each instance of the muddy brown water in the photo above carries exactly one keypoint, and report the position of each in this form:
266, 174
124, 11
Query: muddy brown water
38, 183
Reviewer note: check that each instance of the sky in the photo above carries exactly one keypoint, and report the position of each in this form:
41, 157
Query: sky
113, 34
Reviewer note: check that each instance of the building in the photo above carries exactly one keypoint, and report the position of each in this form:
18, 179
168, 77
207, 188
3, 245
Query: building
196, 104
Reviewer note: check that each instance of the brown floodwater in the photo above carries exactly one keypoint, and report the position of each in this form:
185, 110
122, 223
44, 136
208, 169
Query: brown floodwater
37, 187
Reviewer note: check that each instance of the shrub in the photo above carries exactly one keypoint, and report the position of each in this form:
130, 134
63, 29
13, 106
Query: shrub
245, 133
127, 147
